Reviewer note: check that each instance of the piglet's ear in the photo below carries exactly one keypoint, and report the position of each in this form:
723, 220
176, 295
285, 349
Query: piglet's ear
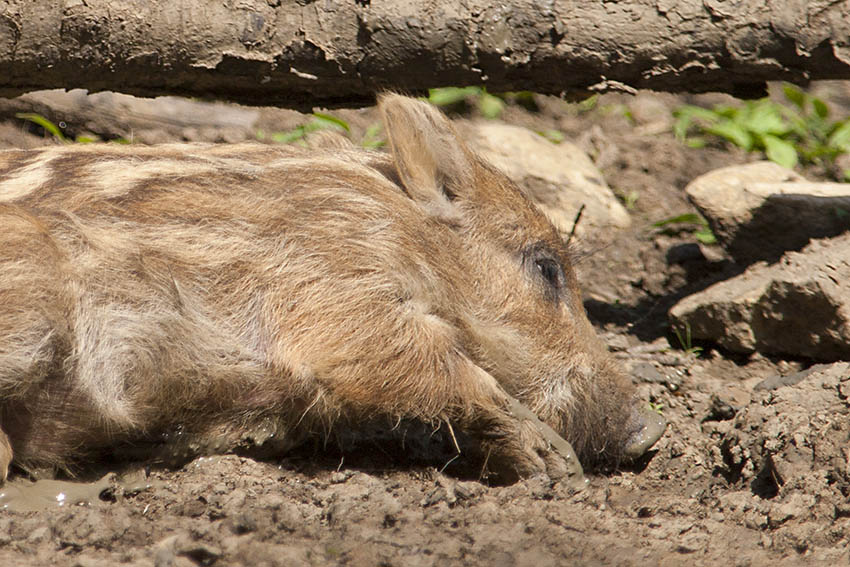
433, 163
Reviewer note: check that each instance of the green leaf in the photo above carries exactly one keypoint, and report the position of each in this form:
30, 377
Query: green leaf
289, 136
328, 121
691, 218
681, 126
779, 151
685, 115
491, 107
795, 95
696, 112
727, 111
371, 138
764, 118
554, 136
840, 137
373, 144
315, 125
446, 96
732, 132
589, 103
523, 97
705, 236
44, 123
630, 199
821, 109
796, 122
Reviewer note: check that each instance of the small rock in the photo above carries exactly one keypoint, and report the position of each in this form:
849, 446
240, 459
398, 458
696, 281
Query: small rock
778, 381
799, 306
654, 347
615, 342
288, 517
194, 508
646, 372
468, 490
438, 494
234, 503
39, 535
174, 549
758, 211
243, 523
720, 410
540, 487
684, 253
842, 510
778, 515
5, 531
338, 512
692, 542
90, 562
339, 477
677, 449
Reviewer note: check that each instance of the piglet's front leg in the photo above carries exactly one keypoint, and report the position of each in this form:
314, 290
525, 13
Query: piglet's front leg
516, 442
441, 384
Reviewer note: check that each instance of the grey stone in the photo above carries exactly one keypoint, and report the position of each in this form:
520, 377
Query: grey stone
779, 381
758, 211
799, 306
646, 372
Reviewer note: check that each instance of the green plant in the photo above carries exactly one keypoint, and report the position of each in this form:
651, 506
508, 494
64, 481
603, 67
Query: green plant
656, 407
48, 126
490, 106
616, 109
372, 136
56, 130
686, 342
554, 136
526, 99
319, 121
629, 199
694, 223
800, 131
589, 103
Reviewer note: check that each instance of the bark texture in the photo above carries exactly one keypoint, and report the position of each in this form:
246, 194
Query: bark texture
303, 52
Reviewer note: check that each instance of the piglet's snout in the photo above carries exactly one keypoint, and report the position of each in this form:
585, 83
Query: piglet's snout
649, 427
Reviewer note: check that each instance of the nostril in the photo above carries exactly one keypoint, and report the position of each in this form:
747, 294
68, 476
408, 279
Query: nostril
651, 428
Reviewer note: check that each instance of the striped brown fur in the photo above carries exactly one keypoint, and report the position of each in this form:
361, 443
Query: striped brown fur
198, 294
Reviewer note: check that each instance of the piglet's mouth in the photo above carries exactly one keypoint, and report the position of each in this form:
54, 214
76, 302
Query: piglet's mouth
651, 426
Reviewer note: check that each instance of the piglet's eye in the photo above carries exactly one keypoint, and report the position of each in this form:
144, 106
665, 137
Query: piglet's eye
550, 270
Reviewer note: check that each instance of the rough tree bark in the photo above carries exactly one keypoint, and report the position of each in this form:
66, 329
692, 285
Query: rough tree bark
305, 52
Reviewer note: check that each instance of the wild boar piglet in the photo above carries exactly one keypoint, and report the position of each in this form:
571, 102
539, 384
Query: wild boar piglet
209, 298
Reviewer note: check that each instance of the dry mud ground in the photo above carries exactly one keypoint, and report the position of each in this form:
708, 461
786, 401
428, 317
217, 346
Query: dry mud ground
749, 472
